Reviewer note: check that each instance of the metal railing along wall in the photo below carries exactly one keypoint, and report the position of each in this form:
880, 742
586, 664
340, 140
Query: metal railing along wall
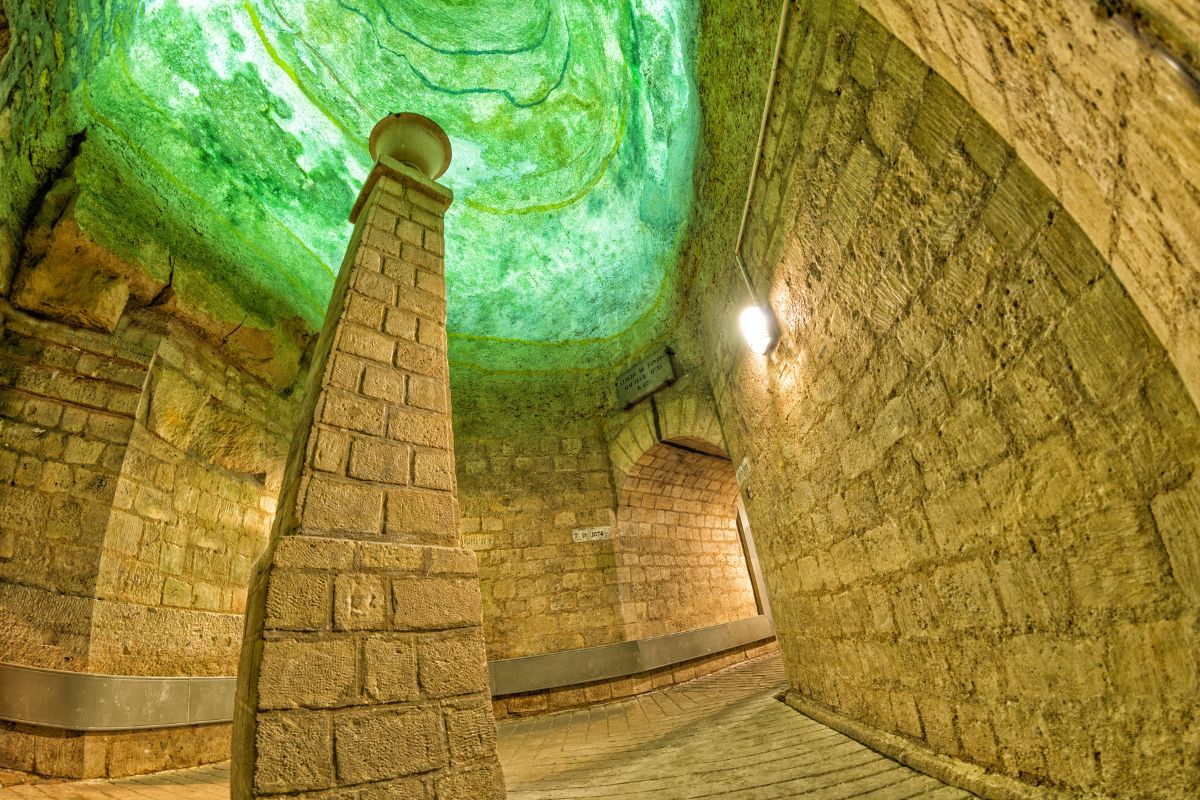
81, 701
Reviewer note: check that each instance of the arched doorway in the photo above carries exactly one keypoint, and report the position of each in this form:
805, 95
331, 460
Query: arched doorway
682, 554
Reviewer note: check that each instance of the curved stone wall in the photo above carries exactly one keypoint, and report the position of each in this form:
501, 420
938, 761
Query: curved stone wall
974, 467
589, 530
1101, 101
138, 475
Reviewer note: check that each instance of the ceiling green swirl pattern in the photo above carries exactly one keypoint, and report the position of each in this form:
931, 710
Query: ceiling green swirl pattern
574, 125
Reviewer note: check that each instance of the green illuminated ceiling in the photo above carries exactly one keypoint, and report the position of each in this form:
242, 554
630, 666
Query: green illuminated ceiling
574, 126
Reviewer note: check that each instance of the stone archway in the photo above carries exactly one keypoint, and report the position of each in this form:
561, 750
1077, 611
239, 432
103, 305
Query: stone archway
681, 560
676, 415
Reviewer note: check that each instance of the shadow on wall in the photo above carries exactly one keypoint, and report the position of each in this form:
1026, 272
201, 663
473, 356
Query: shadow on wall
4, 34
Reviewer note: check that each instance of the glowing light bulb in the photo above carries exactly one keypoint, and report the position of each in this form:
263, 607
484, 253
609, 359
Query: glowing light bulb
756, 326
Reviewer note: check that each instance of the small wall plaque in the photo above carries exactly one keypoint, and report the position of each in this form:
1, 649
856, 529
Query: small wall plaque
596, 534
478, 541
647, 376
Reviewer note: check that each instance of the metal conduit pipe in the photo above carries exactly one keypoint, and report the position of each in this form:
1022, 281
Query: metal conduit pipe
784, 8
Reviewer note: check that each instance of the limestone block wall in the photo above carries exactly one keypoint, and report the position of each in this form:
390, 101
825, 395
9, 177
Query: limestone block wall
363, 666
680, 562
524, 486
138, 473
1099, 100
973, 463
45, 48
141, 476
68, 400
539, 459
191, 514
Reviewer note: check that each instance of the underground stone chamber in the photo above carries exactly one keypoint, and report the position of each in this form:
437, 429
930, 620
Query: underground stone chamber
497, 449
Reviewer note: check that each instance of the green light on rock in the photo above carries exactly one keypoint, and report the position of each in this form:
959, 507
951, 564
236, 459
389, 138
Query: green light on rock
574, 126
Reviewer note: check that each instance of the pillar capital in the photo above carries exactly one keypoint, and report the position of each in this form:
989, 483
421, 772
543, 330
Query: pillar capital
389, 169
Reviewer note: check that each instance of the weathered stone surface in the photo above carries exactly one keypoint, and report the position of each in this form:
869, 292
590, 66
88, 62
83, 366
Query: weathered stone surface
360, 602
342, 506
392, 557
413, 512
1093, 108
125, 541
376, 460
421, 603
118, 754
359, 557
1176, 514
451, 665
391, 670
313, 552
993, 561
97, 303
380, 745
482, 782
415, 788
679, 559
557, 465
348, 411
472, 734
966, 442
433, 469
419, 427
294, 752
308, 674
72, 272
299, 600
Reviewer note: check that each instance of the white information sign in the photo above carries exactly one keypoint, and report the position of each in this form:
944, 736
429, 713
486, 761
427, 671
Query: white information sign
596, 534
644, 377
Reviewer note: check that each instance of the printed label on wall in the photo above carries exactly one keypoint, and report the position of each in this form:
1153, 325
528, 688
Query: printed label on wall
478, 541
596, 534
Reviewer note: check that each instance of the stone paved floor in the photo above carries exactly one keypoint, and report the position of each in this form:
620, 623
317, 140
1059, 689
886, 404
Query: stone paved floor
202, 783
725, 735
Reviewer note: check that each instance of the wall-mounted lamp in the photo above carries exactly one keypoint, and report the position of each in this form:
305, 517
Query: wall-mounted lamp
759, 328
757, 321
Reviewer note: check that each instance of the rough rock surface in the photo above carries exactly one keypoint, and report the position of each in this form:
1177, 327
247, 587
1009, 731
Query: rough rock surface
971, 457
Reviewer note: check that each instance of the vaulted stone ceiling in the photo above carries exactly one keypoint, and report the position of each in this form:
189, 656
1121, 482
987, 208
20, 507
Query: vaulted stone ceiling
232, 136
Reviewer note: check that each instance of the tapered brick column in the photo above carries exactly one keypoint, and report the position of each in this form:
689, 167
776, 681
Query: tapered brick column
363, 665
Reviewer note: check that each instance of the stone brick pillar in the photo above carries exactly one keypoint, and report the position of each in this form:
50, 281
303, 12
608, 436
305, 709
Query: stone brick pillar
363, 670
